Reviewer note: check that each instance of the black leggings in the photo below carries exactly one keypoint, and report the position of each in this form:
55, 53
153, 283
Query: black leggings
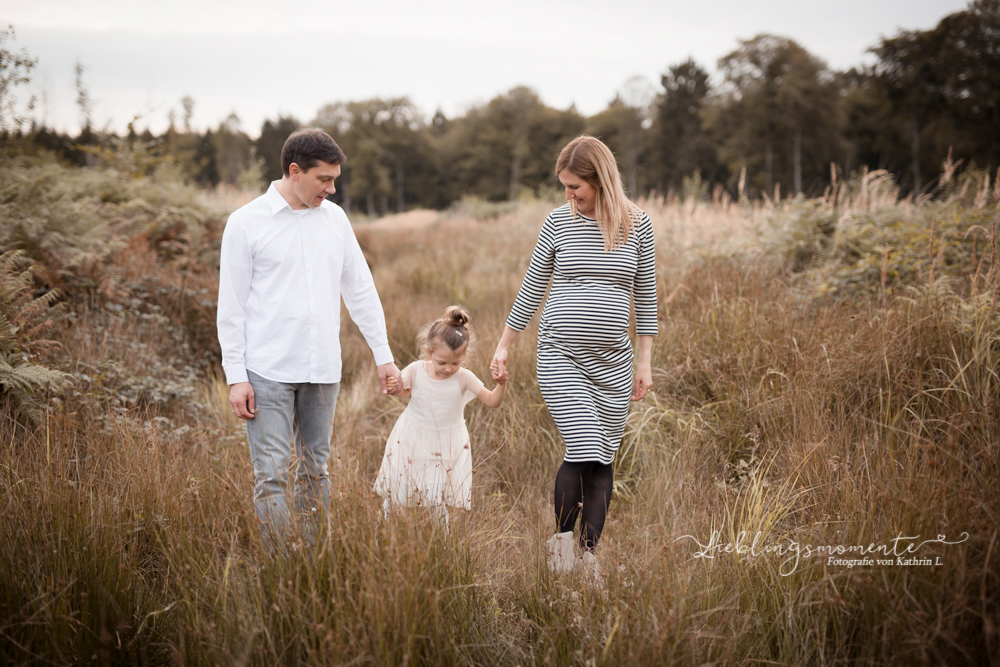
584, 486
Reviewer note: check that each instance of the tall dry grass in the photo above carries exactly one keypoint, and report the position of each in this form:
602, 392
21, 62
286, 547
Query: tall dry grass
806, 418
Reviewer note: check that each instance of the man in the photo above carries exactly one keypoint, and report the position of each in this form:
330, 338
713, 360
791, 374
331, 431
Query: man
287, 259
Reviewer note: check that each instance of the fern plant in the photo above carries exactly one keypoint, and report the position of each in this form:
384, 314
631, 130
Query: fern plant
23, 321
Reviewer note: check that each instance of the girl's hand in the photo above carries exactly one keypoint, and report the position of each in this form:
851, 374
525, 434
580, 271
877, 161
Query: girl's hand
643, 382
392, 384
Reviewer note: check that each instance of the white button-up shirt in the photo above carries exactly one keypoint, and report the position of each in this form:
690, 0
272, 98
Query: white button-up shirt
281, 276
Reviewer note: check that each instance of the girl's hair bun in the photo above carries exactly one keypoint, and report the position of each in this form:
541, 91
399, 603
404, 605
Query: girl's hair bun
452, 329
456, 316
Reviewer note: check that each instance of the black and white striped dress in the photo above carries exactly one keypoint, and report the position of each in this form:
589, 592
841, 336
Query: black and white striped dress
584, 353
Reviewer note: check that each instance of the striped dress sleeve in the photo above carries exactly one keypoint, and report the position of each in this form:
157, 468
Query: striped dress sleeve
644, 291
536, 280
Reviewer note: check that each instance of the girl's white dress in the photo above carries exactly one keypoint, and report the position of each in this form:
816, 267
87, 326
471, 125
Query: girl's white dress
427, 458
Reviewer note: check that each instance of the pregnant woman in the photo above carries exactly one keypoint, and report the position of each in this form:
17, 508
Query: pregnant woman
598, 252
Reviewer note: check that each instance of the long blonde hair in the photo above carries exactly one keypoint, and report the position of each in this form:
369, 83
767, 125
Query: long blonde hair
588, 158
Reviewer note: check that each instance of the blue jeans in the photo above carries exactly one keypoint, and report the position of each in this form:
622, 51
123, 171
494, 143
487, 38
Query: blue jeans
299, 412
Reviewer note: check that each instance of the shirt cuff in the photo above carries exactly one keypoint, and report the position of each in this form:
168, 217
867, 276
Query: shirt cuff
383, 355
516, 325
236, 373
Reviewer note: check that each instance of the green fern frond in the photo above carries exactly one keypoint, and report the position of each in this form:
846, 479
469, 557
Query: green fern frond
22, 318
24, 377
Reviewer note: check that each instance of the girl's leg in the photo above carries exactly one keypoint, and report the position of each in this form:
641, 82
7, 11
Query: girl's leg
440, 513
435, 501
597, 488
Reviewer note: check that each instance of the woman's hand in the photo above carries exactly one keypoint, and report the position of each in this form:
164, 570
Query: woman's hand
643, 371
498, 367
643, 382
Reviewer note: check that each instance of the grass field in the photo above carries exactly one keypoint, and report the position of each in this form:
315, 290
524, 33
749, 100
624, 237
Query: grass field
818, 385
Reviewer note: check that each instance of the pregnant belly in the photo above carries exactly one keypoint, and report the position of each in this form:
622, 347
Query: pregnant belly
594, 316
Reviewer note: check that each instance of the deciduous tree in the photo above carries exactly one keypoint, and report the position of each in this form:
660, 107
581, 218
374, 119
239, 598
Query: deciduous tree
776, 108
15, 71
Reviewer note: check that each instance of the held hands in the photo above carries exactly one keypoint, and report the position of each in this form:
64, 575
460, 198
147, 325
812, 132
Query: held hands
242, 399
386, 371
498, 367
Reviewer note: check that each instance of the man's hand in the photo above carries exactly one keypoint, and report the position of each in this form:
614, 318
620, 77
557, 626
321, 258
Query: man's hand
386, 371
241, 398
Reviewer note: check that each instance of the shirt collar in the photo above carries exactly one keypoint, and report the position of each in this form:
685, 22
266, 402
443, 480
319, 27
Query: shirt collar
274, 199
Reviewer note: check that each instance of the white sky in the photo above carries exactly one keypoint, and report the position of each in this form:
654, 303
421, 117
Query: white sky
261, 59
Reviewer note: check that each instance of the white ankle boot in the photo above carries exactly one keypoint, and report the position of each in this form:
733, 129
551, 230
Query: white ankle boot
562, 555
588, 564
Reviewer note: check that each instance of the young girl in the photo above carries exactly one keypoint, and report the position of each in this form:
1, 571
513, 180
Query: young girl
427, 460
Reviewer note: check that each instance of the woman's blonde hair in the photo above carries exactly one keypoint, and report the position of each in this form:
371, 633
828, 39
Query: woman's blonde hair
453, 330
588, 158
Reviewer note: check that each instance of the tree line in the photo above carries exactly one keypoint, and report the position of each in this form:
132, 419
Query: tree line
775, 120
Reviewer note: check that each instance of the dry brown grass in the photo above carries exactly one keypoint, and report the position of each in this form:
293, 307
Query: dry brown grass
818, 421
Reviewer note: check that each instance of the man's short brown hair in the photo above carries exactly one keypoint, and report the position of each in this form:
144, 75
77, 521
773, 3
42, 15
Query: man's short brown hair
307, 148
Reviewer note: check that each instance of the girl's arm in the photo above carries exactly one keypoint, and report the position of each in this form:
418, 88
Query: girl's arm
644, 372
493, 398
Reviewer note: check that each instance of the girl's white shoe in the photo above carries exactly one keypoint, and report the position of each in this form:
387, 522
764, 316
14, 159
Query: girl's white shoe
562, 555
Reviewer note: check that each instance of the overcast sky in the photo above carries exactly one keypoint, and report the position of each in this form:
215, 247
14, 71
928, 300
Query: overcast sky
261, 59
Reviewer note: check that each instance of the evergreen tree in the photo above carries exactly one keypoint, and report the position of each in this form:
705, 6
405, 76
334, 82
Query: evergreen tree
681, 144
272, 137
